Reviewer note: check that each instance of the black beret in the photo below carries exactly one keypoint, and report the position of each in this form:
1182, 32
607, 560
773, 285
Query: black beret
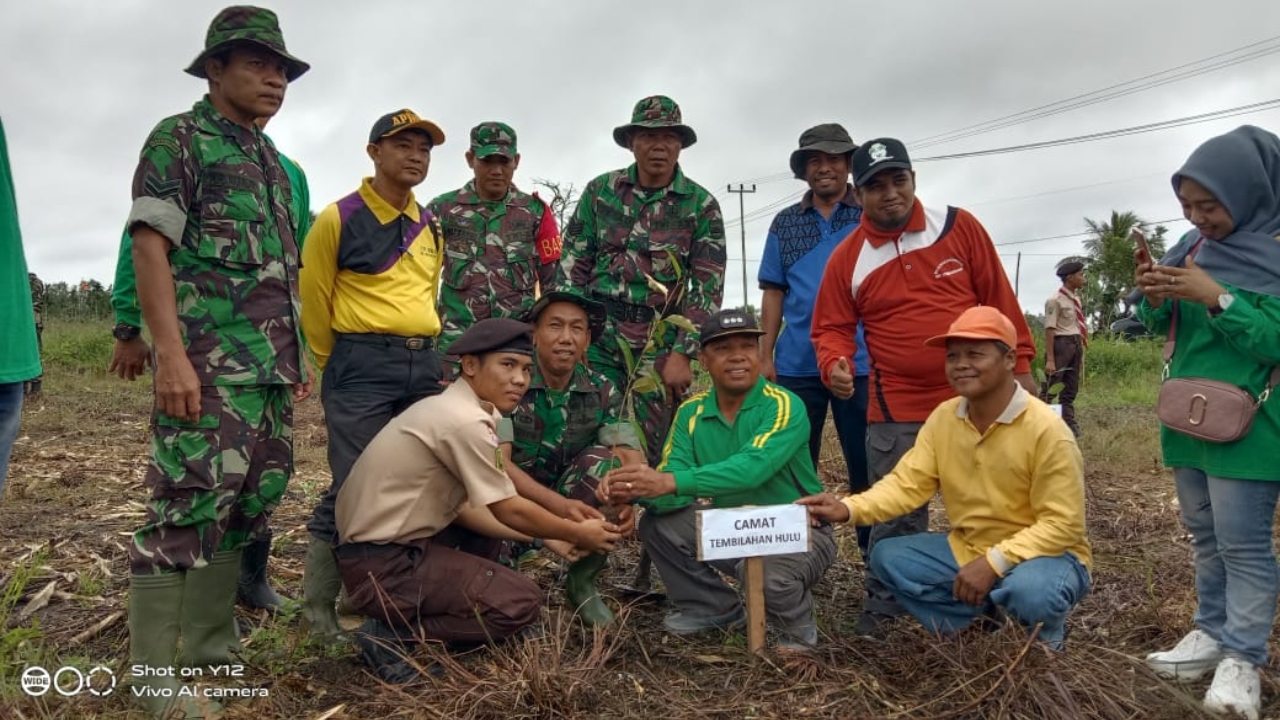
494, 335
1069, 266
595, 310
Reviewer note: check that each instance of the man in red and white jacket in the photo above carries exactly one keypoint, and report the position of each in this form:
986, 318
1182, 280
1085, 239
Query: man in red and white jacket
906, 271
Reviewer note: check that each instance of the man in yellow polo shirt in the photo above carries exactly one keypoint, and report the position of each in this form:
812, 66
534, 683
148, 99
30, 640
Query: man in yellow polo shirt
1012, 481
370, 272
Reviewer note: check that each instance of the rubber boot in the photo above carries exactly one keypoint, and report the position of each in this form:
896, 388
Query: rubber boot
580, 590
155, 608
209, 612
321, 584
254, 591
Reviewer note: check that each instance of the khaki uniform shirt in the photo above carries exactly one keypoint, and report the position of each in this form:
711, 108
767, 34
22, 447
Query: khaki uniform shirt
1060, 314
413, 478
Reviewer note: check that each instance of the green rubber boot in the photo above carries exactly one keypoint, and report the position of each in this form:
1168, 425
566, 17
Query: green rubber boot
155, 606
209, 612
580, 590
321, 584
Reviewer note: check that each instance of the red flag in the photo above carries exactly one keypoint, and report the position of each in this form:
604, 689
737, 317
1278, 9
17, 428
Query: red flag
548, 240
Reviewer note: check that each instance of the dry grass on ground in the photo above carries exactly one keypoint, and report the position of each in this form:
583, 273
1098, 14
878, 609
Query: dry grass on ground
74, 496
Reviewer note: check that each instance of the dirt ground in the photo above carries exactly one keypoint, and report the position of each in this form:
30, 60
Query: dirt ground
75, 493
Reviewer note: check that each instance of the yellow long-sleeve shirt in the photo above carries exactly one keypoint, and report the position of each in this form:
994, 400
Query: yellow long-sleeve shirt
368, 267
1013, 493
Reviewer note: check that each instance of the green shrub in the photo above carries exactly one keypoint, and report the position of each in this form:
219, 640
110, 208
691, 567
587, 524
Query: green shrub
77, 347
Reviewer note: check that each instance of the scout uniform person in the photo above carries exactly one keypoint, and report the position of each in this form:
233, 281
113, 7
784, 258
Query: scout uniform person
744, 442
371, 268
423, 512
633, 229
1065, 338
212, 228
501, 244
130, 357
567, 432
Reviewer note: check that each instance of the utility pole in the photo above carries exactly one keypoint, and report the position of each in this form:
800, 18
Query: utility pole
1017, 274
742, 223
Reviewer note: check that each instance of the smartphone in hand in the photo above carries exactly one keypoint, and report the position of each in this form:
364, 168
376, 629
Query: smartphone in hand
1143, 254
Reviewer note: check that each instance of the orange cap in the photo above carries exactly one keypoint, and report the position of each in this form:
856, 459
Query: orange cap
979, 323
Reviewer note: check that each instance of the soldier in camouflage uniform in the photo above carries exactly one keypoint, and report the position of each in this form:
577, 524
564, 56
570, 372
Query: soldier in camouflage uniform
648, 221
37, 307
567, 431
217, 270
500, 244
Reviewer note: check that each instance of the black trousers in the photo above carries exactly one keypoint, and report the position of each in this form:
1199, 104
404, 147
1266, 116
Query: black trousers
1068, 359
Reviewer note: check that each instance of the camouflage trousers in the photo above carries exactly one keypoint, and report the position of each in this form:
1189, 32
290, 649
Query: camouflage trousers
583, 474
215, 482
653, 411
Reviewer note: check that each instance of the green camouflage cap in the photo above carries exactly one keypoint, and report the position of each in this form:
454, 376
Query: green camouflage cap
655, 111
596, 316
493, 138
246, 24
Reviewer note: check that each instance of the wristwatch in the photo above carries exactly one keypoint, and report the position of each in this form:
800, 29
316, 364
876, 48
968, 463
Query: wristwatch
125, 332
1224, 302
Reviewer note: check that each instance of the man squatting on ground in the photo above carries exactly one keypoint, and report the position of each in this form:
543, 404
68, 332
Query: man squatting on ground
217, 268
744, 442
904, 273
567, 432
1012, 482
426, 506
370, 272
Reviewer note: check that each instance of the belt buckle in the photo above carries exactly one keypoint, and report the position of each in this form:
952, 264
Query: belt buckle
415, 343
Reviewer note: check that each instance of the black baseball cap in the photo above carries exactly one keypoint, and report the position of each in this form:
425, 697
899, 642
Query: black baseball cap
405, 119
729, 322
877, 155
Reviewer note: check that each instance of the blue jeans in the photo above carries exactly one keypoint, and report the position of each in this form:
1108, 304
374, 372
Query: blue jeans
10, 420
1236, 576
920, 570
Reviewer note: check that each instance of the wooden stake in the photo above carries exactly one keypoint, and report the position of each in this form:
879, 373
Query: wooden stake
755, 606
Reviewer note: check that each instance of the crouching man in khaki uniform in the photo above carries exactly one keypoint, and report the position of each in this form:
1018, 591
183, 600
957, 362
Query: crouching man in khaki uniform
427, 504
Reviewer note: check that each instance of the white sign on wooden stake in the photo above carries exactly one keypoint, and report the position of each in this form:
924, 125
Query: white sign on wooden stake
752, 531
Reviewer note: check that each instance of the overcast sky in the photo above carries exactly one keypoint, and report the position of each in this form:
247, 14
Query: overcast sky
84, 82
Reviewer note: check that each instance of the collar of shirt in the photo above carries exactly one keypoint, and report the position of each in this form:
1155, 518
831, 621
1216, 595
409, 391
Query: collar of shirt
468, 196
1069, 293
462, 388
849, 200
1017, 405
878, 237
678, 184
580, 382
712, 408
215, 123
382, 209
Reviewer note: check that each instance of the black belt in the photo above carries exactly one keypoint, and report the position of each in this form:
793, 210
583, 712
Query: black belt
411, 343
624, 311
362, 550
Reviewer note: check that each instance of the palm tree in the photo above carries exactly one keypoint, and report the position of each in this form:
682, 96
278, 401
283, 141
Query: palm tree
1111, 265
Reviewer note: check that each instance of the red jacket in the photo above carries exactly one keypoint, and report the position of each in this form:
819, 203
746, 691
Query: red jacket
907, 286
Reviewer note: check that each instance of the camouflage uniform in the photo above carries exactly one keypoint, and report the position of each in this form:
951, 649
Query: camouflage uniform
621, 232
37, 308
496, 251
218, 192
563, 439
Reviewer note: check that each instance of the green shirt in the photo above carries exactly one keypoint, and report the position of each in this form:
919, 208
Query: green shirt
1239, 347
761, 458
19, 354
124, 292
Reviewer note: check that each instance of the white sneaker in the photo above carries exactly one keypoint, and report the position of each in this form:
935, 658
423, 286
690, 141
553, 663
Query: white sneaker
1236, 689
1194, 656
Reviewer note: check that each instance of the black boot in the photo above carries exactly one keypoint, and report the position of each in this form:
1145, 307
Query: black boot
385, 652
254, 591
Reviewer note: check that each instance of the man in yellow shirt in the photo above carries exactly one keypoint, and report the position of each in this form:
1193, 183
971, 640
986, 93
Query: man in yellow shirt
370, 271
1012, 481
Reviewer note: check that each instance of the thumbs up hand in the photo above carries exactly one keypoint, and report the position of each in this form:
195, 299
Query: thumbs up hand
840, 382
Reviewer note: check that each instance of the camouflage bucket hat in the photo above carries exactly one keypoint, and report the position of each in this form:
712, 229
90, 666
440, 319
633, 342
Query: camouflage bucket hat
246, 24
830, 138
656, 111
493, 138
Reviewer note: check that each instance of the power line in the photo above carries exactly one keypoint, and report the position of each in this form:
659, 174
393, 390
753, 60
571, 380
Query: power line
1072, 235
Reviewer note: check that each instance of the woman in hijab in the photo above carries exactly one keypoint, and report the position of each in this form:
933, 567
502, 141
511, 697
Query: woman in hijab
1219, 291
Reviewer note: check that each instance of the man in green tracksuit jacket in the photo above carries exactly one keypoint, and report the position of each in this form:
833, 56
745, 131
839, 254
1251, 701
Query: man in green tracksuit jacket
744, 442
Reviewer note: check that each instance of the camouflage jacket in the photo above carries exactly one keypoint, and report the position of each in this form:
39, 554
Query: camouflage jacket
218, 193
495, 254
37, 298
549, 429
620, 232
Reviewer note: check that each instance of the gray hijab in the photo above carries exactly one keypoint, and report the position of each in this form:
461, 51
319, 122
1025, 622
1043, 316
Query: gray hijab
1242, 170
